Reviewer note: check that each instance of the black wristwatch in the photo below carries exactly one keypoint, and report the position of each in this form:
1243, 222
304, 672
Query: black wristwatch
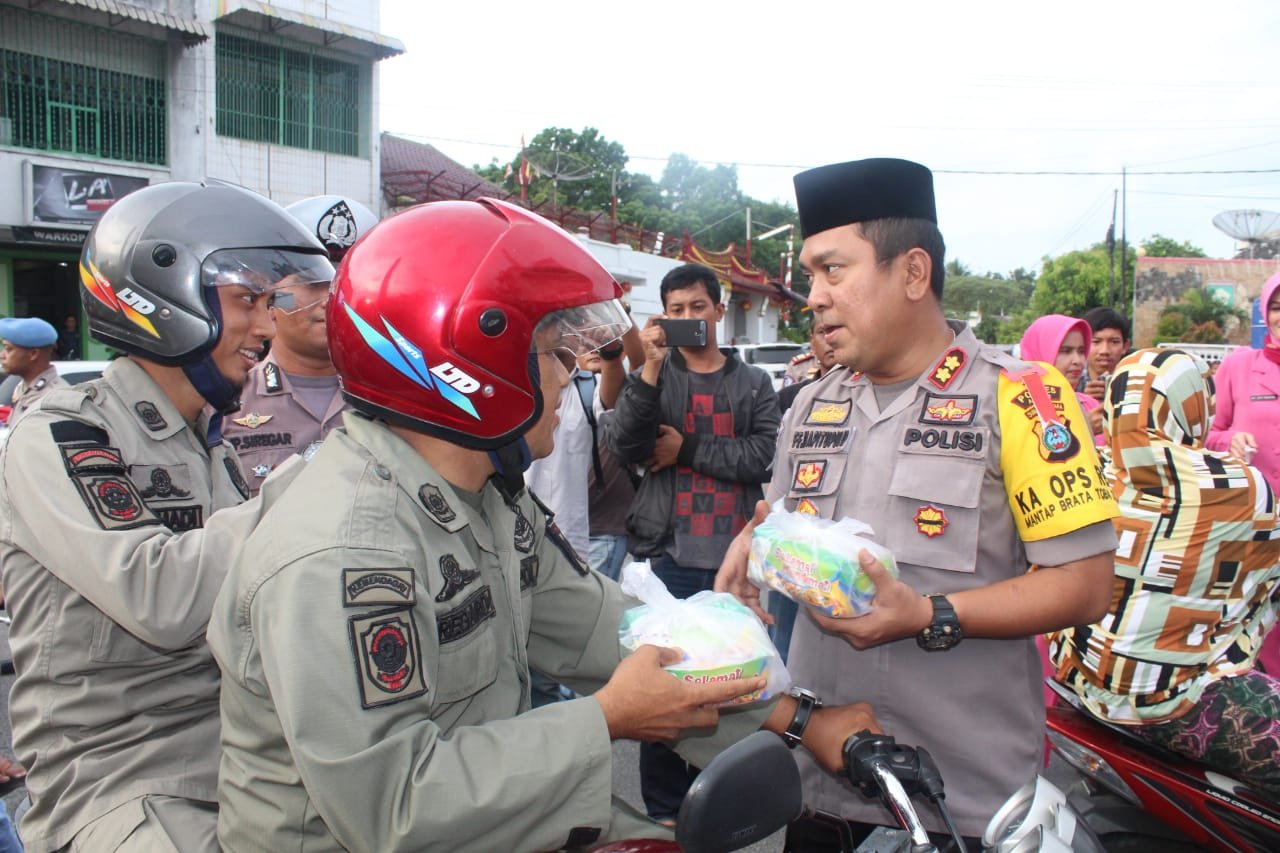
806, 703
944, 631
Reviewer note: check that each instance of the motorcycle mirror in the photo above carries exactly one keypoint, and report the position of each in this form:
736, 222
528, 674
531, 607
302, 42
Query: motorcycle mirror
745, 794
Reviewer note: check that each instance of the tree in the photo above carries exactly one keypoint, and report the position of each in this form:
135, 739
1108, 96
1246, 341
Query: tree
570, 169
1159, 246
1200, 311
991, 297
1073, 283
956, 267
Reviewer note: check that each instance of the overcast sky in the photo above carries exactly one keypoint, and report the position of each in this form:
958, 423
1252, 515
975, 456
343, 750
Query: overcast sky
1172, 86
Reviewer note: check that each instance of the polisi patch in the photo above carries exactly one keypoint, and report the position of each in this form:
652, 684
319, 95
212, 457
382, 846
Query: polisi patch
949, 409
931, 521
377, 587
829, 413
388, 657
961, 442
809, 475
455, 577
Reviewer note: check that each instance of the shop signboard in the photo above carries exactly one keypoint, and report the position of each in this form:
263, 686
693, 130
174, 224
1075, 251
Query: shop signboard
75, 197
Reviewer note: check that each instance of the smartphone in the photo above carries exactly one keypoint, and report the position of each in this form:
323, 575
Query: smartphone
685, 333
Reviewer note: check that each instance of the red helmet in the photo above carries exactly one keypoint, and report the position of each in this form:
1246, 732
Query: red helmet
435, 313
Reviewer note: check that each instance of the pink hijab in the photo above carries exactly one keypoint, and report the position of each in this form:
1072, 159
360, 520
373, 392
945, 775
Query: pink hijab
1042, 340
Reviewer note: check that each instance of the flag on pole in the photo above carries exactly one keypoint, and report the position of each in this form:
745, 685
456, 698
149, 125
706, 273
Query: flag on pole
525, 175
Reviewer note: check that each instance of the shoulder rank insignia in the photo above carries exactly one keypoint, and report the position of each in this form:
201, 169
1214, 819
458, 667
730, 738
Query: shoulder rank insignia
40, 383
237, 478
253, 420
271, 375
947, 368
523, 533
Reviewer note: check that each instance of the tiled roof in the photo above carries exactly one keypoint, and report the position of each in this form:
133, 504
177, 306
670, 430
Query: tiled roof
419, 171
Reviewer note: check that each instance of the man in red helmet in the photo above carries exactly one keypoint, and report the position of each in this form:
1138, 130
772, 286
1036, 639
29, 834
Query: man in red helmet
376, 633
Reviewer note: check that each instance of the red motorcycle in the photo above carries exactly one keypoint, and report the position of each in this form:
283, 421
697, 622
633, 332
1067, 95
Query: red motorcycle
1136, 796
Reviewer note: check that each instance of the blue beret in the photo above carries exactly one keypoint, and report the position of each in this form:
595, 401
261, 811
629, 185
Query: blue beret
30, 332
862, 190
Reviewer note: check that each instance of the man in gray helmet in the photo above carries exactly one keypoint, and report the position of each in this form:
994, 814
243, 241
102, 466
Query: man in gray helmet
110, 558
291, 399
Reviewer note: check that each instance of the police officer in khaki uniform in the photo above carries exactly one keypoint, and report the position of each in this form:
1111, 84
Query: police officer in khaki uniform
969, 465
376, 633
291, 400
109, 544
28, 350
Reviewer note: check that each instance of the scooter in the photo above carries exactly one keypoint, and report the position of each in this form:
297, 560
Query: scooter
753, 789
1136, 796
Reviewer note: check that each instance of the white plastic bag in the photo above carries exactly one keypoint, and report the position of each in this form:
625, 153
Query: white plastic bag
814, 560
721, 639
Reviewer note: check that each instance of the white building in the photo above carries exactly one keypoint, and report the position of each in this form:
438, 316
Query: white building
100, 97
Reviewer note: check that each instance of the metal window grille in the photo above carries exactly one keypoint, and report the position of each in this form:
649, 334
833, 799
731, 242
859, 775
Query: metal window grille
114, 108
268, 93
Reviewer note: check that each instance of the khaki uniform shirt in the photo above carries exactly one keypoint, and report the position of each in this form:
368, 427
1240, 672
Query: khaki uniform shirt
954, 479
116, 692
25, 396
273, 423
375, 641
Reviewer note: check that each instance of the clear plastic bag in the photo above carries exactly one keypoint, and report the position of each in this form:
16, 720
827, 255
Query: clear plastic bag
814, 561
721, 639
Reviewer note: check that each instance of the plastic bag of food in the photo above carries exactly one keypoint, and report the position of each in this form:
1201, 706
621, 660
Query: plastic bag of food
721, 639
814, 561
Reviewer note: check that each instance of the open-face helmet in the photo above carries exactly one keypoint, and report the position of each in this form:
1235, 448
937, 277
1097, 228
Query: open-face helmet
336, 221
438, 314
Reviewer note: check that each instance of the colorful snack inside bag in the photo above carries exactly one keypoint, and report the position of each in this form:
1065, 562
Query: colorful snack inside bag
814, 561
721, 639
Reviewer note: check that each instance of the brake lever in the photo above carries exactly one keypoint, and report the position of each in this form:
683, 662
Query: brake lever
881, 768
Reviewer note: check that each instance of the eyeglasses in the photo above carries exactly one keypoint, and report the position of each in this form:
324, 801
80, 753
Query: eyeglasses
286, 301
567, 357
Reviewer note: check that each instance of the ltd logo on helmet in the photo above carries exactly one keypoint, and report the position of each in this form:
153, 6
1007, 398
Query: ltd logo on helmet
449, 381
132, 305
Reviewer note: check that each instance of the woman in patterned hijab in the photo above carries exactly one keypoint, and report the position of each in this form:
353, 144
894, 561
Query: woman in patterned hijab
1195, 581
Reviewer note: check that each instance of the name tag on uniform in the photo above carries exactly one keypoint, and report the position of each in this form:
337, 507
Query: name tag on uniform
1262, 397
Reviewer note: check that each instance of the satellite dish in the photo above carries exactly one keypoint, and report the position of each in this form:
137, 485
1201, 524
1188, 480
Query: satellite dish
1248, 225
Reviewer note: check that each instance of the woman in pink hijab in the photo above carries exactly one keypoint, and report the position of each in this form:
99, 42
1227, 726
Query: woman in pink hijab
1064, 342
1247, 421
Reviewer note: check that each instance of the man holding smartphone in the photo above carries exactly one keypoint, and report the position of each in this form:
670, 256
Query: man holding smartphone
704, 426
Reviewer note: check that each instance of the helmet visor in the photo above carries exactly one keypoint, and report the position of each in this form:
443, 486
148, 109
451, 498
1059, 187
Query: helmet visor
582, 329
264, 270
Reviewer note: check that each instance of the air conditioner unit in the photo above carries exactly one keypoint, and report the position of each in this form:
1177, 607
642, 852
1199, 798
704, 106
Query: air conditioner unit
6, 130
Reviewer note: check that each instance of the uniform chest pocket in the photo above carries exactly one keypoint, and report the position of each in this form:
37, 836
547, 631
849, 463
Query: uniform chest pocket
113, 644
935, 506
466, 638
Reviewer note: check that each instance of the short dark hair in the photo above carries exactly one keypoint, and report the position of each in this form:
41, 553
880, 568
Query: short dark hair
1103, 317
687, 275
894, 237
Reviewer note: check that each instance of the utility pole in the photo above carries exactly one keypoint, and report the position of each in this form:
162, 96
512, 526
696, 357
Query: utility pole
1124, 243
1111, 253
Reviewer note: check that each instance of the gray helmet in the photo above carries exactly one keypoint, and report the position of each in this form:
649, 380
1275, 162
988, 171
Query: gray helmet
337, 221
150, 266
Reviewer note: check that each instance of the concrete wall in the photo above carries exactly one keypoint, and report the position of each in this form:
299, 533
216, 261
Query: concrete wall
1160, 282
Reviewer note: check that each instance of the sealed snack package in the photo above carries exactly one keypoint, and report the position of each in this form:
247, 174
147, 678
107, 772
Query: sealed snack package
721, 639
814, 561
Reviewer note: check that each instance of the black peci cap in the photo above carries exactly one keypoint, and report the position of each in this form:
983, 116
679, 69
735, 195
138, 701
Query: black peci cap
861, 190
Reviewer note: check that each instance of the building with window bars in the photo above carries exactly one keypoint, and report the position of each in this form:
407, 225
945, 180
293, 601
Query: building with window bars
101, 97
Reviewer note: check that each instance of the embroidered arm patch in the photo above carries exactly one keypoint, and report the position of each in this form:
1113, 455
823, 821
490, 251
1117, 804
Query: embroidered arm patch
388, 657
99, 475
364, 587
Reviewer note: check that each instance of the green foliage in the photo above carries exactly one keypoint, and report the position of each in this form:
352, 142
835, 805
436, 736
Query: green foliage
1159, 246
1073, 283
1203, 315
1172, 326
993, 297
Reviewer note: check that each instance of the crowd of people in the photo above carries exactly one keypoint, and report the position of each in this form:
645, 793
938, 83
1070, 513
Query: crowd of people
329, 557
